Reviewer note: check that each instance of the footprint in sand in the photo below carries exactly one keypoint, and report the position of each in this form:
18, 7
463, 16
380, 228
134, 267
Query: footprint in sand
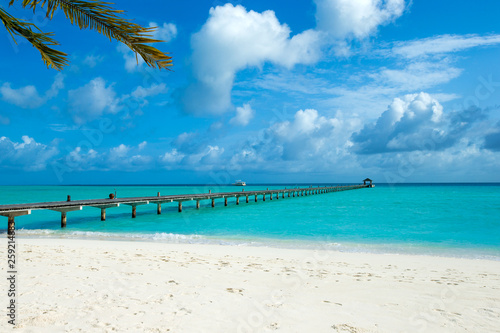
235, 291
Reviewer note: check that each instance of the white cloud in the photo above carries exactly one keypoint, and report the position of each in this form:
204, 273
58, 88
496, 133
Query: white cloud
442, 44
415, 122
243, 115
356, 18
132, 61
233, 39
208, 158
125, 157
171, 157
166, 32
418, 75
91, 101
311, 140
155, 89
92, 60
28, 97
118, 152
28, 154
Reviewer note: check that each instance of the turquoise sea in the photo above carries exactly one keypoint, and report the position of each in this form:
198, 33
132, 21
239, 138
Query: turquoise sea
440, 219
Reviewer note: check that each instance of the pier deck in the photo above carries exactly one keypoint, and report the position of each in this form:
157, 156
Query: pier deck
15, 210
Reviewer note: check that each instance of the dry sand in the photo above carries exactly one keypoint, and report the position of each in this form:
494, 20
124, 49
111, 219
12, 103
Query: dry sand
105, 286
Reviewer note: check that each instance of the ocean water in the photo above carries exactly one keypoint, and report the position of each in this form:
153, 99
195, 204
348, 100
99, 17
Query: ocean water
460, 220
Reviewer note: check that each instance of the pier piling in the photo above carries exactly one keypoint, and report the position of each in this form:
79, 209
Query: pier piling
11, 225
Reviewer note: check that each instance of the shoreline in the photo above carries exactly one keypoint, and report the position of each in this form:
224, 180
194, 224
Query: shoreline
412, 249
101, 285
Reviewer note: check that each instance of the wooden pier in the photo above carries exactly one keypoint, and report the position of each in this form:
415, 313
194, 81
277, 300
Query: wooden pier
15, 210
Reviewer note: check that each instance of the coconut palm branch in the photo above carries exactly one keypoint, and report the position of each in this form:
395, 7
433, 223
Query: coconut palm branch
86, 14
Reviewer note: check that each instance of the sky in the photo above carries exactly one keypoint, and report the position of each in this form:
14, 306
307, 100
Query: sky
312, 91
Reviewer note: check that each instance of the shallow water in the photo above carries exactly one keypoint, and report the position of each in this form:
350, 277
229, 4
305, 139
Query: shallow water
443, 219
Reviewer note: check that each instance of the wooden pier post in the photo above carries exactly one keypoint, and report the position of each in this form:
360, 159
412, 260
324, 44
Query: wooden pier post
180, 206
213, 203
247, 198
63, 219
197, 204
294, 194
256, 198
225, 201
134, 212
263, 197
158, 208
103, 209
64, 211
283, 195
270, 196
11, 226
237, 200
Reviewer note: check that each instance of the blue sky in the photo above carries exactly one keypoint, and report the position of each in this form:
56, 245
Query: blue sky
264, 91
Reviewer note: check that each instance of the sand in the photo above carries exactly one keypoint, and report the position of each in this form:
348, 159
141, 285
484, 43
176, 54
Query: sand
109, 286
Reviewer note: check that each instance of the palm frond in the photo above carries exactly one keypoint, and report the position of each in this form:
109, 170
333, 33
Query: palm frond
40, 40
101, 17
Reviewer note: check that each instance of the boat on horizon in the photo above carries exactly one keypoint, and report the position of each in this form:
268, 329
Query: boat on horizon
240, 183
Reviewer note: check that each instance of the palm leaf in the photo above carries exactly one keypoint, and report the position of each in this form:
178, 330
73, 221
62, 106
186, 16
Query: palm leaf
40, 40
101, 17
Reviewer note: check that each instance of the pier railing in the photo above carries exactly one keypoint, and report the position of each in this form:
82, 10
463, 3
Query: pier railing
15, 210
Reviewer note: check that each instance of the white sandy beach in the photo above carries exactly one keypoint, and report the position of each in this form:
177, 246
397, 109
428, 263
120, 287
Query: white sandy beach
105, 286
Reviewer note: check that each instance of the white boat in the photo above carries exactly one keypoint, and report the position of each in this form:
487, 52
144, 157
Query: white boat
240, 183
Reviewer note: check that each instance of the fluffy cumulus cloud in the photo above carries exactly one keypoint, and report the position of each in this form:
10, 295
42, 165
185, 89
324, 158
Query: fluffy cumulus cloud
27, 155
91, 101
193, 151
243, 115
122, 157
415, 122
28, 97
171, 157
233, 39
206, 158
356, 19
308, 142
